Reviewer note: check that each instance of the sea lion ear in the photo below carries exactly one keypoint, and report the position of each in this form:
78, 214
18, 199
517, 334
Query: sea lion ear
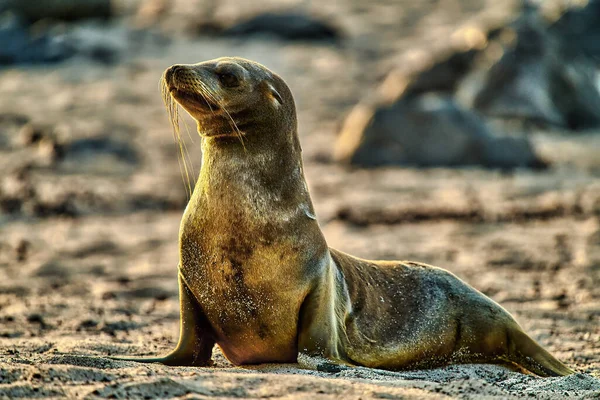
274, 94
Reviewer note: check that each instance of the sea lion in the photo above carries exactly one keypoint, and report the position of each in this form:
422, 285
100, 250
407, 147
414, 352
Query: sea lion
257, 278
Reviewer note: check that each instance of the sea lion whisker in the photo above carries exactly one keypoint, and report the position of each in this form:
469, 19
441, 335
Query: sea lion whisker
183, 158
205, 92
208, 91
181, 155
235, 127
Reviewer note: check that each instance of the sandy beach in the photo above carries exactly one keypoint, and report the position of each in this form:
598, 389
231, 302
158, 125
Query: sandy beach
91, 198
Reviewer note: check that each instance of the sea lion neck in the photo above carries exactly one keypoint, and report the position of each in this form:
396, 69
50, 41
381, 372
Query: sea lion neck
270, 169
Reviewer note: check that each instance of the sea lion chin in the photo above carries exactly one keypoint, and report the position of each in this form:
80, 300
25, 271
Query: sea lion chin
257, 278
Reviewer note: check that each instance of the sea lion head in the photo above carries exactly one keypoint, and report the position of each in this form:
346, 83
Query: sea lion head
232, 97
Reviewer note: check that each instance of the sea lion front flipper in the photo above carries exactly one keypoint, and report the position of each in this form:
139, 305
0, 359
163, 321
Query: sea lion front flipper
195, 338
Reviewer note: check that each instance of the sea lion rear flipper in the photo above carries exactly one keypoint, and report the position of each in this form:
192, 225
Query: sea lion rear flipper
527, 353
195, 338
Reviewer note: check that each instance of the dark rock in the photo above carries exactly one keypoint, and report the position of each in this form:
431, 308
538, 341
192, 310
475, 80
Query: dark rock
18, 291
86, 149
540, 78
579, 29
87, 324
53, 269
63, 206
330, 367
36, 319
66, 10
443, 75
99, 42
109, 296
10, 205
11, 335
524, 70
123, 280
22, 250
441, 71
286, 26
18, 46
149, 292
151, 202
111, 328
49, 42
98, 247
427, 130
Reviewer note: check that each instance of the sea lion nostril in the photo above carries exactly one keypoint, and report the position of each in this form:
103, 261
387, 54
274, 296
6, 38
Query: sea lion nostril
172, 72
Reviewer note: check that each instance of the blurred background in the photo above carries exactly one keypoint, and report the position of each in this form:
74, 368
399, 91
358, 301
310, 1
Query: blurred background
460, 133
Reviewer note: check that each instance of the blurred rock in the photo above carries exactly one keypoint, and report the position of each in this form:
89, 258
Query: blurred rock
526, 70
18, 46
22, 250
98, 42
541, 78
83, 150
427, 130
99, 155
66, 10
87, 324
36, 318
444, 74
579, 28
286, 26
46, 42
53, 269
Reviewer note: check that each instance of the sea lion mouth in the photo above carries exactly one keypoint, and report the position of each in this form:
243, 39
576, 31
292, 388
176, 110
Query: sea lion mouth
193, 100
208, 109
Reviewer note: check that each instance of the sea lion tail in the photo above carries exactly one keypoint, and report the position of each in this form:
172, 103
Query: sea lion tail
527, 353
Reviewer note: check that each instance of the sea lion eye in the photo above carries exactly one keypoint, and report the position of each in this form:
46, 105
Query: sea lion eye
228, 79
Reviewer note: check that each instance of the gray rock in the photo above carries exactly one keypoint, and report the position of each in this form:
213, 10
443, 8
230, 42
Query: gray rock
427, 130
24, 44
65, 10
579, 29
540, 78
285, 25
18, 46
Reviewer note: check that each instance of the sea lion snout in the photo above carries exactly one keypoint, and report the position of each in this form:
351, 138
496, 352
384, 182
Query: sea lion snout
190, 86
231, 97
184, 78
178, 75
171, 72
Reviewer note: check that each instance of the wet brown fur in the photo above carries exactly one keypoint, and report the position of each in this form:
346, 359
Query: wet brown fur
258, 279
